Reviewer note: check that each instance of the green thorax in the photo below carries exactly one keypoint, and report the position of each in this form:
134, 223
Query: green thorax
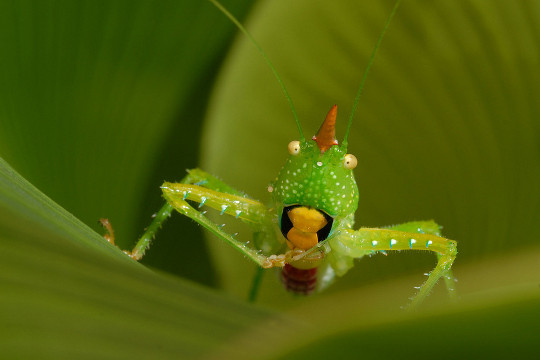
316, 179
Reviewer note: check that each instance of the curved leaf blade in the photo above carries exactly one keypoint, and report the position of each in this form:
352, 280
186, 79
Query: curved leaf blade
67, 293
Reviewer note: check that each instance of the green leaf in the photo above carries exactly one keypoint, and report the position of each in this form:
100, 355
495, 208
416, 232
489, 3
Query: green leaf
67, 293
101, 101
447, 127
495, 317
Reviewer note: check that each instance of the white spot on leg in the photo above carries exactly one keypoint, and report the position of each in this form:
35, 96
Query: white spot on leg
203, 200
223, 209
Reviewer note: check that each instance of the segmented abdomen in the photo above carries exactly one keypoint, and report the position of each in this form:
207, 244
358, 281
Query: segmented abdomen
299, 281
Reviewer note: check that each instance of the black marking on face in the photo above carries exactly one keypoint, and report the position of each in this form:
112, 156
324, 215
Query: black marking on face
286, 224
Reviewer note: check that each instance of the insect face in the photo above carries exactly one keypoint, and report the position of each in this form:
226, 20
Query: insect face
316, 188
321, 181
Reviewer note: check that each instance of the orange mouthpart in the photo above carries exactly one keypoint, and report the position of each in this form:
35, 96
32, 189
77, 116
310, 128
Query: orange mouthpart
326, 136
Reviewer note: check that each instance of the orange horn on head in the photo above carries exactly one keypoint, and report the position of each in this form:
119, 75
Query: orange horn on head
326, 136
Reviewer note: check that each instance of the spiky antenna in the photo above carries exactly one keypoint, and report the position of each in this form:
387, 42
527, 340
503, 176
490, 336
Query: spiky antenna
285, 92
357, 98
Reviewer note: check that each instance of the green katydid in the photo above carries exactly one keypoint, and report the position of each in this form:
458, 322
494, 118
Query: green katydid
307, 229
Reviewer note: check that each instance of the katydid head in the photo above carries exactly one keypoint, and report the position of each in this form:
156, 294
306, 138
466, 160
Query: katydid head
317, 179
318, 175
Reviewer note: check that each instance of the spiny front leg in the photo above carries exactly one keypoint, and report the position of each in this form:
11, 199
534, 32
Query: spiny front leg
356, 243
194, 176
248, 210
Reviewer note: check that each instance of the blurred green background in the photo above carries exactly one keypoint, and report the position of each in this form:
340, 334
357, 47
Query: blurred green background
101, 101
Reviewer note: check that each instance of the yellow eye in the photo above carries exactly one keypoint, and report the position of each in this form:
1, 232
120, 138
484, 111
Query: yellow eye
294, 147
350, 162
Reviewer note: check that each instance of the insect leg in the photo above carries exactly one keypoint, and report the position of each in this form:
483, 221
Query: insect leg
255, 284
204, 179
430, 227
194, 176
352, 242
144, 241
207, 180
245, 209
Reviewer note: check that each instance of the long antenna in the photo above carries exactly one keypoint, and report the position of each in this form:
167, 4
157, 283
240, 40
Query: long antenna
357, 98
285, 92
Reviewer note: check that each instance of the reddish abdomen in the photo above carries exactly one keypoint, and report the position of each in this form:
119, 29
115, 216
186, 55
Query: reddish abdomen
299, 281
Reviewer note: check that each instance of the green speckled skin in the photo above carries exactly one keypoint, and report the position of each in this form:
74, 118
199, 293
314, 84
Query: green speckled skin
317, 180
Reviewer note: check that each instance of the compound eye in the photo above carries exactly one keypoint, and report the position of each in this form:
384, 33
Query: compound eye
294, 147
350, 162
